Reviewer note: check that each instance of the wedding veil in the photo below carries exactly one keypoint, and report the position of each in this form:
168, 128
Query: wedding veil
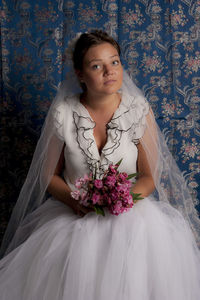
170, 184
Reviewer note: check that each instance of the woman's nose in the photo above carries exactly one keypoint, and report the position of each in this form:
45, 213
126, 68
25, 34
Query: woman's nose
108, 70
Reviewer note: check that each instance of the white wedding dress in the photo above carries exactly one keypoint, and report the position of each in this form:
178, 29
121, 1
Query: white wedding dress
147, 253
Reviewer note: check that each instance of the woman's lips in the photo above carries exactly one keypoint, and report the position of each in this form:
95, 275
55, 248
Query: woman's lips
108, 82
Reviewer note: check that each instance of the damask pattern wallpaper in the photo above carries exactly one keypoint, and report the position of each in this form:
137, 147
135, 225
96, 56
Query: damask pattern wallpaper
160, 42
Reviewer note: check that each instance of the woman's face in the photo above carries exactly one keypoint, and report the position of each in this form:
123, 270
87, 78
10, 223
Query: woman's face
102, 71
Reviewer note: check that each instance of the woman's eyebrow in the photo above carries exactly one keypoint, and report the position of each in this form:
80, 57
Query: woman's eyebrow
99, 59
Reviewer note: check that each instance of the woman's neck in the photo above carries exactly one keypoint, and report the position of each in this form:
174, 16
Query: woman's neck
100, 103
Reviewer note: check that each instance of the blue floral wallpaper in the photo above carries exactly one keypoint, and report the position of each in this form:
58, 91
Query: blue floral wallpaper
160, 48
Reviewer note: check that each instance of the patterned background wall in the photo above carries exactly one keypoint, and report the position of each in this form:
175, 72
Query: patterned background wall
160, 43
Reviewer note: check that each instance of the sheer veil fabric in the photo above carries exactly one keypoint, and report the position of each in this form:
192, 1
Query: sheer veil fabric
170, 184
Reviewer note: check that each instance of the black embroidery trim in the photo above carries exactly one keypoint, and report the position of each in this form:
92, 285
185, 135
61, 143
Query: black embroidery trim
92, 162
102, 163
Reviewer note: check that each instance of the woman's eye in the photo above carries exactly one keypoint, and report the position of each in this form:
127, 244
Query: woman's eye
115, 62
96, 67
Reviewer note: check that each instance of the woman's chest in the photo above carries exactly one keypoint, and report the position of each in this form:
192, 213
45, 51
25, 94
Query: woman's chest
100, 135
91, 148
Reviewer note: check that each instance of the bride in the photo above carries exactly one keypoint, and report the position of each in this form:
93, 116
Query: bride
55, 248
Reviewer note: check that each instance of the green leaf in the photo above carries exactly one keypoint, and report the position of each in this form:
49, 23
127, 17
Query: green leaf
136, 196
99, 210
119, 162
132, 175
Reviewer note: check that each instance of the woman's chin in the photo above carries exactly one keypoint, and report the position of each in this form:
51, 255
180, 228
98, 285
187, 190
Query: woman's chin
112, 89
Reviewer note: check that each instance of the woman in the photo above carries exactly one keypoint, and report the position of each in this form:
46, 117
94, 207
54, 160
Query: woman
63, 250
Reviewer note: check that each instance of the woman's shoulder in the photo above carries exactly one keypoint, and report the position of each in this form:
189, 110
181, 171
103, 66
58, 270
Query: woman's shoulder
65, 105
131, 115
62, 113
138, 103
132, 109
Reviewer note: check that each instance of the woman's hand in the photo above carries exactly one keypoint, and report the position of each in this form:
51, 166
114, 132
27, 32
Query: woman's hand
60, 190
79, 209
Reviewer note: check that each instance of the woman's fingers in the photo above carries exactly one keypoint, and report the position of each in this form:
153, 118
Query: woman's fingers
82, 210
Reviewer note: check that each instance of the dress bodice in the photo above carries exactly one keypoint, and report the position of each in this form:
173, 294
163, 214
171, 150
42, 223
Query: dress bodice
75, 126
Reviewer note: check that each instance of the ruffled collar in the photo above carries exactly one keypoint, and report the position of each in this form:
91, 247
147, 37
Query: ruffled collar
128, 114
132, 108
124, 106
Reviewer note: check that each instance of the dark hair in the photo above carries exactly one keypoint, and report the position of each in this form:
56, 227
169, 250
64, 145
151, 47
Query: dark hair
88, 40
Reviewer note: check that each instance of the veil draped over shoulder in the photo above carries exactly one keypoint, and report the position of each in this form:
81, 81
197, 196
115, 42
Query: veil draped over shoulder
170, 184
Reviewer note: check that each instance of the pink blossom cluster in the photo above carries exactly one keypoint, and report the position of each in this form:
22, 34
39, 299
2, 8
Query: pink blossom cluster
112, 191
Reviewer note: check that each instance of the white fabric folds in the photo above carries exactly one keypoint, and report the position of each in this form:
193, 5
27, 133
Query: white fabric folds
148, 253
170, 184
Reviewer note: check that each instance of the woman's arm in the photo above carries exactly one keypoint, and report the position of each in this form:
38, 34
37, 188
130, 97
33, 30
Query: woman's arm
57, 186
60, 190
145, 183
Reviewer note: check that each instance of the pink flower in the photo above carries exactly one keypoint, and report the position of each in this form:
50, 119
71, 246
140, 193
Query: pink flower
117, 208
95, 198
110, 181
82, 181
75, 195
79, 183
129, 200
112, 191
122, 188
113, 169
114, 195
128, 184
98, 183
107, 199
101, 201
84, 198
123, 176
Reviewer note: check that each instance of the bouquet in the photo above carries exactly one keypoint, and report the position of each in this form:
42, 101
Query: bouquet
112, 191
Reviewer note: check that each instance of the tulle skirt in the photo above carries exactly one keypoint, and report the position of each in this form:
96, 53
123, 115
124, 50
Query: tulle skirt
148, 253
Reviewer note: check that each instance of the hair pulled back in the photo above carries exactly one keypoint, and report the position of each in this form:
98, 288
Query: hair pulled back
88, 40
